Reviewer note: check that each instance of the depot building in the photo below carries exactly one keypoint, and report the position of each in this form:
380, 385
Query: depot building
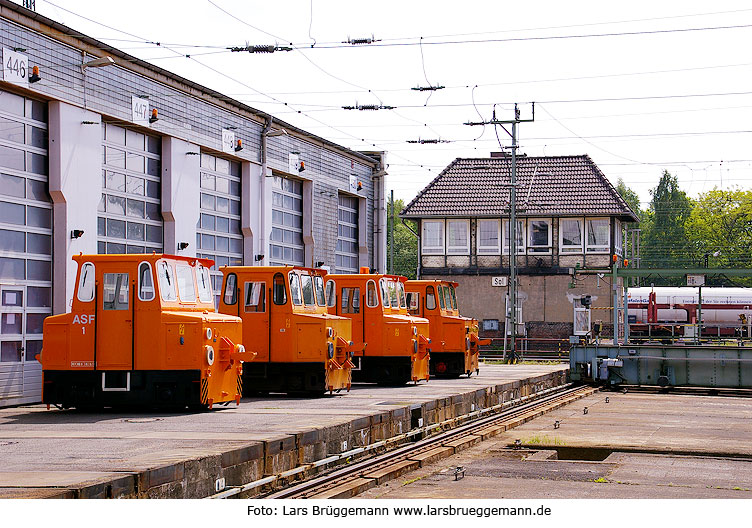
101, 152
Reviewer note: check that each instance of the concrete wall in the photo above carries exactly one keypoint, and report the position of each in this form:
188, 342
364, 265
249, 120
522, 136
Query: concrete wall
75, 158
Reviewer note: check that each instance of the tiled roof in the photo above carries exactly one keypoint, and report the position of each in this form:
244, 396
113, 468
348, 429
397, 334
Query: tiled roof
546, 186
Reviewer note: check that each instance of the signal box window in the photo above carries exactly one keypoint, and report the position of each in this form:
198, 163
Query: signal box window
430, 298
331, 294
307, 281
297, 297
280, 294
231, 289
413, 303
145, 282
350, 300
255, 297
86, 283
372, 298
166, 279
115, 291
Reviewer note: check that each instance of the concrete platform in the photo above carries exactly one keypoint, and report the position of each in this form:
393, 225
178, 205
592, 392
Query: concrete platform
180, 455
635, 446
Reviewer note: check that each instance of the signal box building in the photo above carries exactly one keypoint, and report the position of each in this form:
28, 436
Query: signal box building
570, 223
101, 152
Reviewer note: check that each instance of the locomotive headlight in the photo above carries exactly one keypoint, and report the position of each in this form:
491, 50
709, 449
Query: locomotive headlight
209, 354
209, 333
415, 330
330, 350
329, 332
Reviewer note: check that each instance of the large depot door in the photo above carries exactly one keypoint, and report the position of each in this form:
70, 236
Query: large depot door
114, 320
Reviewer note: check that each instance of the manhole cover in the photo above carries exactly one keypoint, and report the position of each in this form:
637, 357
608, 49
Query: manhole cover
142, 420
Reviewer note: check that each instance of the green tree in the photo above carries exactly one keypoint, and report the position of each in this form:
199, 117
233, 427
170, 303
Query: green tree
720, 228
405, 243
665, 243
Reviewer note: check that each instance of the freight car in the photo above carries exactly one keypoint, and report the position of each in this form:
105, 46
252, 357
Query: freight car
454, 339
397, 348
142, 331
664, 311
301, 347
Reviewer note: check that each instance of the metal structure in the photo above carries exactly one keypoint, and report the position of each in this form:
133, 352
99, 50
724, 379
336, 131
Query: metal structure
689, 362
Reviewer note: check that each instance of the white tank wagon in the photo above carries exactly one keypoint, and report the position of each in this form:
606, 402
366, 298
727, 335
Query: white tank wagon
727, 309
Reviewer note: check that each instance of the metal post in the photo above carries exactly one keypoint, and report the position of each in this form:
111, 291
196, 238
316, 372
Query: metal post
513, 240
699, 313
391, 234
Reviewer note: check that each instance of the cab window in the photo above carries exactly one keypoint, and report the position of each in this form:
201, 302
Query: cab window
331, 293
430, 298
393, 294
454, 297
401, 291
413, 303
255, 297
205, 293
384, 294
297, 298
441, 296
447, 298
231, 289
350, 301
115, 291
166, 278
318, 283
279, 291
307, 282
186, 287
145, 282
372, 298
86, 283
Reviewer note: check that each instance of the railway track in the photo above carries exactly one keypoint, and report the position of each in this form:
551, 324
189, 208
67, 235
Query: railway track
357, 477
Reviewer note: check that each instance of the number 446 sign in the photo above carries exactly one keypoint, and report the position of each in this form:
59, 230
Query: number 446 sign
15, 67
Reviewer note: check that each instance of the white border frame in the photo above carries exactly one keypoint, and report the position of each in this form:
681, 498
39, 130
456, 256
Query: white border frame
457, 250
432, 250
547, 249
600, 248
572, 250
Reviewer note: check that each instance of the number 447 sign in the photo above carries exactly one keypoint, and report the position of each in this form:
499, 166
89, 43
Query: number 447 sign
15, 67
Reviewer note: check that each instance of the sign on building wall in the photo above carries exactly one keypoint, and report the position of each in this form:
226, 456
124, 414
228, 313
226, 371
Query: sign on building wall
293, 162
139, 110
228, 141
353, 183
15, 67
499, 281
695, 280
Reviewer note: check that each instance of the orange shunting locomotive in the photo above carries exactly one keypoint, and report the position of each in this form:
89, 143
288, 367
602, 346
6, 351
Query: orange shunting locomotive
397, 345
301, 348
143, 331
454, 339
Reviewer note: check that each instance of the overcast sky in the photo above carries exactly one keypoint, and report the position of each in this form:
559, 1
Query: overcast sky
639, 86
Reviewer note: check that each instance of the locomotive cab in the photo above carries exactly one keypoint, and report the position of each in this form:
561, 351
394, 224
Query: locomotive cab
301, 347
142, 331
454, 339
398, 348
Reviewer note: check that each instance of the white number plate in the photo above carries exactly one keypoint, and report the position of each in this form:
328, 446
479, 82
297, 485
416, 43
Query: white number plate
15, 67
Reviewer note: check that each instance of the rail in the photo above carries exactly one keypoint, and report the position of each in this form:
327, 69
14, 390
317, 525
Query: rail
518, 411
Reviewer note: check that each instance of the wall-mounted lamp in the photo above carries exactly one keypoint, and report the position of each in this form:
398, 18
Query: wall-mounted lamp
153, 118
258, 257
319, 263
182, 246
360, 186
35, 77
98, 63
239, 145
275, 133
77, 233
301, 167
